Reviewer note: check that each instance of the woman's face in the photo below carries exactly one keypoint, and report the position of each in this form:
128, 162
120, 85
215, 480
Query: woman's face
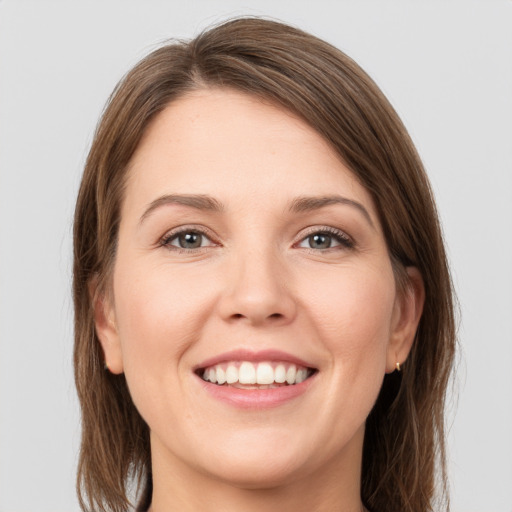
254, 307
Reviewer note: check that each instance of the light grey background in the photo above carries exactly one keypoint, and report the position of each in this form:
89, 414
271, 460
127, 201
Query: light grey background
447, 68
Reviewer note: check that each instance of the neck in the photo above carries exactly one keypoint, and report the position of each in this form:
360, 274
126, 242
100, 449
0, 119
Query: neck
333, 487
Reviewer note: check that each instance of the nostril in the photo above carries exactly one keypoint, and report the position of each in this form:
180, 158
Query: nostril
273, 315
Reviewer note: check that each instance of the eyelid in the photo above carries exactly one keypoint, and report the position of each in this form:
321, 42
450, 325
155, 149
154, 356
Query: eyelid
164, 240
344, 239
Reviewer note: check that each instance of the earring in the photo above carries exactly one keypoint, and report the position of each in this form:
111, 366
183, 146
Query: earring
105, 366
398, 369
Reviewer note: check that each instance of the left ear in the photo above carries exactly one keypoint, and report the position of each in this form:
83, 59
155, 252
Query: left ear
406, 317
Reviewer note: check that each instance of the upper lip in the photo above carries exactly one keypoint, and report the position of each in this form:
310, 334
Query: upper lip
253, 356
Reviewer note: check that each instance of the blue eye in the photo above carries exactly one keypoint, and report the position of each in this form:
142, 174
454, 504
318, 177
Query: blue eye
187, 239
326, 239
320, 241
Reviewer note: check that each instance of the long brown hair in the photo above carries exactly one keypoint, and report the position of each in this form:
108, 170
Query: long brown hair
404, 446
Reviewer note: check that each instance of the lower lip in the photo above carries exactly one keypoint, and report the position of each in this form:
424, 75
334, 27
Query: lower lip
257, 398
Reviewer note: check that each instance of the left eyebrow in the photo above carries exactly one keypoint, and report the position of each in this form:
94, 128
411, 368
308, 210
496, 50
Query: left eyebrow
309, 203
197, 201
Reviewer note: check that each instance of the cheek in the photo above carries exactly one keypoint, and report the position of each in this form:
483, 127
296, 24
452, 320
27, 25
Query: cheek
353, 314
159, 312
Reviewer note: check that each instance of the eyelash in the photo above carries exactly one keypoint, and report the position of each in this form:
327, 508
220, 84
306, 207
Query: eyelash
342, 238
166, 240
339, 236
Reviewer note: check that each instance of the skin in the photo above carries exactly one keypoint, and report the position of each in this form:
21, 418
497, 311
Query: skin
255, 283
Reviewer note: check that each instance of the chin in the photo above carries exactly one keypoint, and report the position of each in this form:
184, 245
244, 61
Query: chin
263, 458
258, 474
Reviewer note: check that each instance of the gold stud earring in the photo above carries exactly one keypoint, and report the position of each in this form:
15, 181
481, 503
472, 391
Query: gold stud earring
398, 369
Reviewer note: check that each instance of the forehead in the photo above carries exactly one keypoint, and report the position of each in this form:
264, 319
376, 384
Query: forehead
235, 146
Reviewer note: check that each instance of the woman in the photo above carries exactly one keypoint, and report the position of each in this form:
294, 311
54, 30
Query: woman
264, 312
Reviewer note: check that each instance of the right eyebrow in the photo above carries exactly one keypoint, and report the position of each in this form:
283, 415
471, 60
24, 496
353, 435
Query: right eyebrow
198, 201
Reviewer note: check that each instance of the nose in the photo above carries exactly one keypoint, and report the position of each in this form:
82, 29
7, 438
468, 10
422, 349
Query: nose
257, 291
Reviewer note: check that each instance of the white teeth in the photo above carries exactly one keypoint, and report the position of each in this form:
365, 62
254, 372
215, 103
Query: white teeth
264, 374
291, 373
221, 375
280, 373
231, 374
301, 376
247, 373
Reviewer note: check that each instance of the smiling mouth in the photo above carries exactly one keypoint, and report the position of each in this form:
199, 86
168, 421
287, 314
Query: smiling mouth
249, 375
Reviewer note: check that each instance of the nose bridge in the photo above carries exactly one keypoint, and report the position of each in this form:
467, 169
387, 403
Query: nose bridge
257, 289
